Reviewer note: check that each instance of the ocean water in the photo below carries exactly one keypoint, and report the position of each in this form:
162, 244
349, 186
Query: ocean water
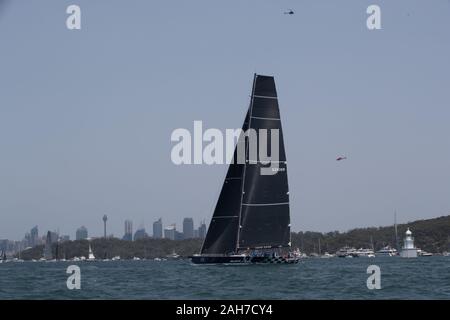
333, 278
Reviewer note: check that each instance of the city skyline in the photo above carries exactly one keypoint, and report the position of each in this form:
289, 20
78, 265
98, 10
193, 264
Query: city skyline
35, 234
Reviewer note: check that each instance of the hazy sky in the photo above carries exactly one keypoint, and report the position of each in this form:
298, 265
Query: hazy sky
86, 116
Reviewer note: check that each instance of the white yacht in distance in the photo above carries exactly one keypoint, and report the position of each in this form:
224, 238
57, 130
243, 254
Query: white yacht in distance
408, 250
327, 255
91, 256
387, 252
173, 255
367, 253
423, 253
346, 252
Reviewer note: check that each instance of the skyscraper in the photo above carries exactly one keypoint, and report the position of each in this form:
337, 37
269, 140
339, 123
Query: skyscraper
48, 246
170, 232
202, 230
82, 233
158, 229
54, 236
34, 237
27, 240
128, 230
188, 228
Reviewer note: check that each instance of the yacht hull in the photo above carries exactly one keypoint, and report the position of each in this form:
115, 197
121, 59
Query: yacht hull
242, 260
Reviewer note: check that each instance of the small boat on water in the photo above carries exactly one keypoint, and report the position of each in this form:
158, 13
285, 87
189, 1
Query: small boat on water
387, 251
365, 253
347, 252
423, 253
173, 255
3, 257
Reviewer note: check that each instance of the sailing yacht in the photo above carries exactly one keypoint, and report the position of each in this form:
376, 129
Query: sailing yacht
251, 222
91, 256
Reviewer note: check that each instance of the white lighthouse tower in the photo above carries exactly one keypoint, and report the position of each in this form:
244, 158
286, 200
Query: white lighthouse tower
408, 250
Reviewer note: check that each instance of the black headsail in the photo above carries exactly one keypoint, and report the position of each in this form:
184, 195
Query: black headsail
264, 215
222, 232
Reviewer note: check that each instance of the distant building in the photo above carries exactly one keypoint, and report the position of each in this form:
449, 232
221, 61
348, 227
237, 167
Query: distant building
34, 237
188, 228
54, 236
82, 233
65, 238
140, 234
179, 235
27, 240
4, 244
196, 233
202, 230
128, 230
170, 232
158, 229
48, 246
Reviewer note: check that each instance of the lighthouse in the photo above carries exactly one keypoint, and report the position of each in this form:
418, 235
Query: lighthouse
408, 250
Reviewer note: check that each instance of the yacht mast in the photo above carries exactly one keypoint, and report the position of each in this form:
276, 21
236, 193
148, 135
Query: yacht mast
395, 229
245, 163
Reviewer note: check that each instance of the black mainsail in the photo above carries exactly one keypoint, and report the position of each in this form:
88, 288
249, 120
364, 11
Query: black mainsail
264, 217
252, 211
